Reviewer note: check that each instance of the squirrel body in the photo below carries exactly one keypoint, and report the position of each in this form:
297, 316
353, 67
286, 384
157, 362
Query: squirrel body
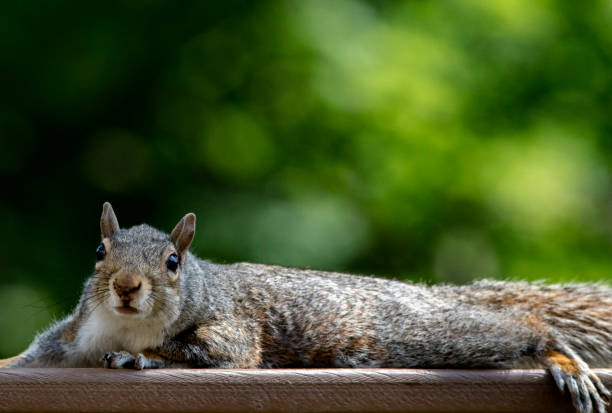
150, 303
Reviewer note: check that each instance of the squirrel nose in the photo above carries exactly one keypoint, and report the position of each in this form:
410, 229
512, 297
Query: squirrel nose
126, 287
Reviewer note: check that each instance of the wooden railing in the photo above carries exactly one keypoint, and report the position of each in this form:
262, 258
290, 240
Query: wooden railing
297, 390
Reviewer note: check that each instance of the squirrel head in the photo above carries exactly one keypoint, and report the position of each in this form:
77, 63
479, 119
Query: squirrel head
138, 270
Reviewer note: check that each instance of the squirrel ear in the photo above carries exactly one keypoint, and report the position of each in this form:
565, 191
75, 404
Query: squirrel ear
183, 233
108, 222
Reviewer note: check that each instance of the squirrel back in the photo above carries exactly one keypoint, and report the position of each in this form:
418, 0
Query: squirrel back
323, 319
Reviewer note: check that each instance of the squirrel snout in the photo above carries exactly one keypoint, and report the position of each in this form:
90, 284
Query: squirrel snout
126, 287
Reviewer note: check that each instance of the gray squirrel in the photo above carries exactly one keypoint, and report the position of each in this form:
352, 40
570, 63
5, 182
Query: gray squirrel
150, 303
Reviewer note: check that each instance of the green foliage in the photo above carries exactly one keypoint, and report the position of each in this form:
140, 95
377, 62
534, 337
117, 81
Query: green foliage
437, 141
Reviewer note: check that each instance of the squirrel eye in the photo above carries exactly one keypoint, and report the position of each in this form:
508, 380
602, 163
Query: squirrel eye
172, 262
100, 252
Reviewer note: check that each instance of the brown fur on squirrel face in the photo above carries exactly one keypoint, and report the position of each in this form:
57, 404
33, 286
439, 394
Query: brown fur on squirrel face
150, 303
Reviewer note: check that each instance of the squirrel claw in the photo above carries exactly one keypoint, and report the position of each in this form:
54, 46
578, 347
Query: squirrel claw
587, 392
586, 395
118, 360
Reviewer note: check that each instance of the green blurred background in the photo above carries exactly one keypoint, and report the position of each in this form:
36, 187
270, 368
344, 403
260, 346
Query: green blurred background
434, 141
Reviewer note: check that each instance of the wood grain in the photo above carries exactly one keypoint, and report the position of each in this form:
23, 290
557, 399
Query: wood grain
299, 390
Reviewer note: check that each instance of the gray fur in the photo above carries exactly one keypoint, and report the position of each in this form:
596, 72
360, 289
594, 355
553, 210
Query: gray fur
250, 315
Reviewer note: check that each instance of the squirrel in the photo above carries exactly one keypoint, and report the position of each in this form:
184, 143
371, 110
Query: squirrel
150, 303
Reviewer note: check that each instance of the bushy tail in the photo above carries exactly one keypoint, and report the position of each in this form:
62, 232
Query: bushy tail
576, 315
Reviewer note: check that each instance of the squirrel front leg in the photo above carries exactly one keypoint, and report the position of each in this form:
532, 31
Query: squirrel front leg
229, 344
172, 353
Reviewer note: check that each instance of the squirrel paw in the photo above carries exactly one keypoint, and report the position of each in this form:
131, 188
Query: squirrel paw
143, 362
586, 390
119, 360
125, 360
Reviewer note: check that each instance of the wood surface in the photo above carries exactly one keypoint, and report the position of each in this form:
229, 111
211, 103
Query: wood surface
296, 390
